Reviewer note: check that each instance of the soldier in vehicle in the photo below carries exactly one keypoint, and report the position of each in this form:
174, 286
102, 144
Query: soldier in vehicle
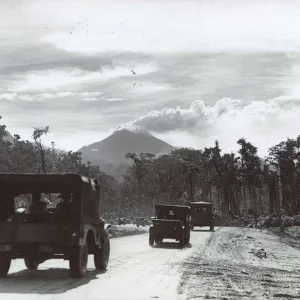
37, 206
63, 206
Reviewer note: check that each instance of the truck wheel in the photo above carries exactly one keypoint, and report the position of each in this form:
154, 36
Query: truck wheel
31, 263
151, 238
101, 257
78, 261
212, 227
5, 262
187, 239
181, 240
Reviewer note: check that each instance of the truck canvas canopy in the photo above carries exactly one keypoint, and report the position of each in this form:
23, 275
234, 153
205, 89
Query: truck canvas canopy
82, 189
178, 211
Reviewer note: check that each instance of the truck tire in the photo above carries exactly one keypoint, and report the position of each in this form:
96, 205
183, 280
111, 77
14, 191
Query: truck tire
181, 240
187, 239
101, 257
31, 263
78, 261
151, 237
5, 262
212, 227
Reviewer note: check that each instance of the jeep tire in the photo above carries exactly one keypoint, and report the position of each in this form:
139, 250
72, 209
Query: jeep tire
78, 261
5, 261
151, 237
187, 239
101, 256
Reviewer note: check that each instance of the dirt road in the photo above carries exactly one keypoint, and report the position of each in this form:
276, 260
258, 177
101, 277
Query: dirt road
136, 271
219, 265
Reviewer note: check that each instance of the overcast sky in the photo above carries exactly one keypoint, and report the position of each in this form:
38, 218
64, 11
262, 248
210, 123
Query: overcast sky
188, 71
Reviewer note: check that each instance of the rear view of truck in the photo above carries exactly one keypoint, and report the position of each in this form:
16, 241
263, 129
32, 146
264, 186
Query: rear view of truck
51, 217
170, 222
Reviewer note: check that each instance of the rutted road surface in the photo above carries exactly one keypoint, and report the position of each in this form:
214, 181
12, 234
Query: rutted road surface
136, 271
219, 265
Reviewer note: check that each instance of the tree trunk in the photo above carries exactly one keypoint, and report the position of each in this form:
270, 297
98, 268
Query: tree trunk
277, 201
271, 190
205, 193
238, 203
245, 198
292, 192
220, 198
293, 202
210, 194
226, 200
191, 187
253, 193
139, 196
297, 195
259, 199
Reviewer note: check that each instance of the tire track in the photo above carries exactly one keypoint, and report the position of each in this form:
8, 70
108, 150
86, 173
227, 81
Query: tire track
221, 270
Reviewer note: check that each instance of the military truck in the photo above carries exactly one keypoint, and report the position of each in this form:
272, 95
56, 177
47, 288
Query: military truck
61, 220
121, 221
140, 221
170, 222
202, 215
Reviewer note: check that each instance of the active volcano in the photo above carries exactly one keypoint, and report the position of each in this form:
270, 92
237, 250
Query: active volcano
123, 140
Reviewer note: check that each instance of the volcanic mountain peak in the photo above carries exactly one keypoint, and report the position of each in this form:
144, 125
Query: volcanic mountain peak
124, 139
130, 127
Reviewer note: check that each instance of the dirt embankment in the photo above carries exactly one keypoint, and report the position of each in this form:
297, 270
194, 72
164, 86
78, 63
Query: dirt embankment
243, 263
116, 231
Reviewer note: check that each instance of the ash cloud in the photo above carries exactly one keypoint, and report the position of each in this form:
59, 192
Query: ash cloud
197, 116
264, 123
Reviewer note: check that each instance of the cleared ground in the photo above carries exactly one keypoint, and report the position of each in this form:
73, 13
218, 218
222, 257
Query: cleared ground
227, 267
218, 265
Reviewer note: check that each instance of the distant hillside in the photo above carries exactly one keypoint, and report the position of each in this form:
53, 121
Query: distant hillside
125, 139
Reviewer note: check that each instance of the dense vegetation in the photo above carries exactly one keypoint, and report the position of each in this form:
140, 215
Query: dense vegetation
237, 185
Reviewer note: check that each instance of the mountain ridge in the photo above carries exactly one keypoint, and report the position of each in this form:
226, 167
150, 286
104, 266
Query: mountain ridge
124, 139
